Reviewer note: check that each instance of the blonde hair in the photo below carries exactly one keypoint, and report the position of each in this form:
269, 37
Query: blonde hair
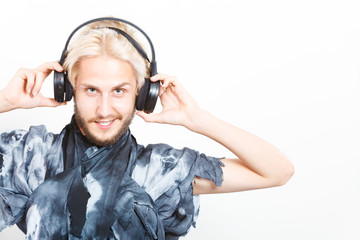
97, 40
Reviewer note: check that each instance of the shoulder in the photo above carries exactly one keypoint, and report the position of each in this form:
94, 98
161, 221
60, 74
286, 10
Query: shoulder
164, 157
160, 167
23, 155
10, 139
166, 174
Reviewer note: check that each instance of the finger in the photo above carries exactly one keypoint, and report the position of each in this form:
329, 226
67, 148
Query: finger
48, 67
165, 86
42, 72
169, 82
40, 77
29, 77
166, 80
162, 91
151, 117
159, 76
49, 102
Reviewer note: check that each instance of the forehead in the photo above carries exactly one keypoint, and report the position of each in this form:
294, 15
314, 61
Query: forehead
104, 70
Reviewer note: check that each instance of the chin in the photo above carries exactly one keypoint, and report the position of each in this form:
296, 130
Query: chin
107, 139
103, 137
100, 138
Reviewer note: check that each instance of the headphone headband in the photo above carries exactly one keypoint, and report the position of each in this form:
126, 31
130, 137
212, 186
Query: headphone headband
132, 41
63, 55
148, 94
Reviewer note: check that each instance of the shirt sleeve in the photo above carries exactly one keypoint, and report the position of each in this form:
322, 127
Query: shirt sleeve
22, 169
167, 174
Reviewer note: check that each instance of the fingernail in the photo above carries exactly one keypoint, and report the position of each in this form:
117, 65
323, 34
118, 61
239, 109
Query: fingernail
60, 103
35, 93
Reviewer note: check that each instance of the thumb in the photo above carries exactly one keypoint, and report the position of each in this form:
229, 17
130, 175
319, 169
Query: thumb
149, 117
49, 102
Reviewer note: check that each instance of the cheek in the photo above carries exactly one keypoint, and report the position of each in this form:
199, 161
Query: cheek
125, 104
84, 105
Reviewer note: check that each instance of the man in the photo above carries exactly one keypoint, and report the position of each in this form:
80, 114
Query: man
93, 181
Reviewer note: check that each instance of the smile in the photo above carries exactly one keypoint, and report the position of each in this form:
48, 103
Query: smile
105, 124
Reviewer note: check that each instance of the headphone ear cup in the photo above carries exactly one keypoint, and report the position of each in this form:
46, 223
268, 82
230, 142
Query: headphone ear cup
59, 87
152, 96
141, 98
147, 98
68, 89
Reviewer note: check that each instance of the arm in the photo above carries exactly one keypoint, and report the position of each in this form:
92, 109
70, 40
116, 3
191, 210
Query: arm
23, 90
259, 164
16, 164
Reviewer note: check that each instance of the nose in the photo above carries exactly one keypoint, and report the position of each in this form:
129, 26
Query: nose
104, 108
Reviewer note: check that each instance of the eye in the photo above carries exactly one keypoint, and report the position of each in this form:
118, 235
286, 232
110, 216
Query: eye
91, 90
118, 91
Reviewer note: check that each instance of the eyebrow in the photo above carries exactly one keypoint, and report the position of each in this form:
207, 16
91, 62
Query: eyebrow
121, 85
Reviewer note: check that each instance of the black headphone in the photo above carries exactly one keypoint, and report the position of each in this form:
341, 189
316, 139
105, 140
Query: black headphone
145, 101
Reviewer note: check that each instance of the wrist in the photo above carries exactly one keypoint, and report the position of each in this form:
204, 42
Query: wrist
5, 105
200, 121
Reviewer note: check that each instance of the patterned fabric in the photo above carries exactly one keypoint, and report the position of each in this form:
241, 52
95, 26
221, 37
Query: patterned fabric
154, 199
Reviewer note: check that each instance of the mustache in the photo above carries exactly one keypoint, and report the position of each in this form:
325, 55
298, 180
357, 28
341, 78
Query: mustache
105, 118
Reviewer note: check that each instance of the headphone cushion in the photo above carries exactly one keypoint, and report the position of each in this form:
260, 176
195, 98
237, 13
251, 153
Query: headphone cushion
143, 94
68, 89
152, 96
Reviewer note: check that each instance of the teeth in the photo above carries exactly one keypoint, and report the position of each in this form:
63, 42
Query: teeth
105, 123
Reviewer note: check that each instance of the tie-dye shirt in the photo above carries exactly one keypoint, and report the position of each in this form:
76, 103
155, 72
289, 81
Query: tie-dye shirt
29, 158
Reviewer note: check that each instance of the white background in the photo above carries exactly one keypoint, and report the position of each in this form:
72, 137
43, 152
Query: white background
287, 71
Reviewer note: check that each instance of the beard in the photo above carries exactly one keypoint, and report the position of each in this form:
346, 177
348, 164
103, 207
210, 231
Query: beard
97, 140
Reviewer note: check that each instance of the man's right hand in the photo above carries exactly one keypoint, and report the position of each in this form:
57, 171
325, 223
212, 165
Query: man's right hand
23, 91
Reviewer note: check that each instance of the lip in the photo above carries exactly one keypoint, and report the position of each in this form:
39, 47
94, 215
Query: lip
105, 126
